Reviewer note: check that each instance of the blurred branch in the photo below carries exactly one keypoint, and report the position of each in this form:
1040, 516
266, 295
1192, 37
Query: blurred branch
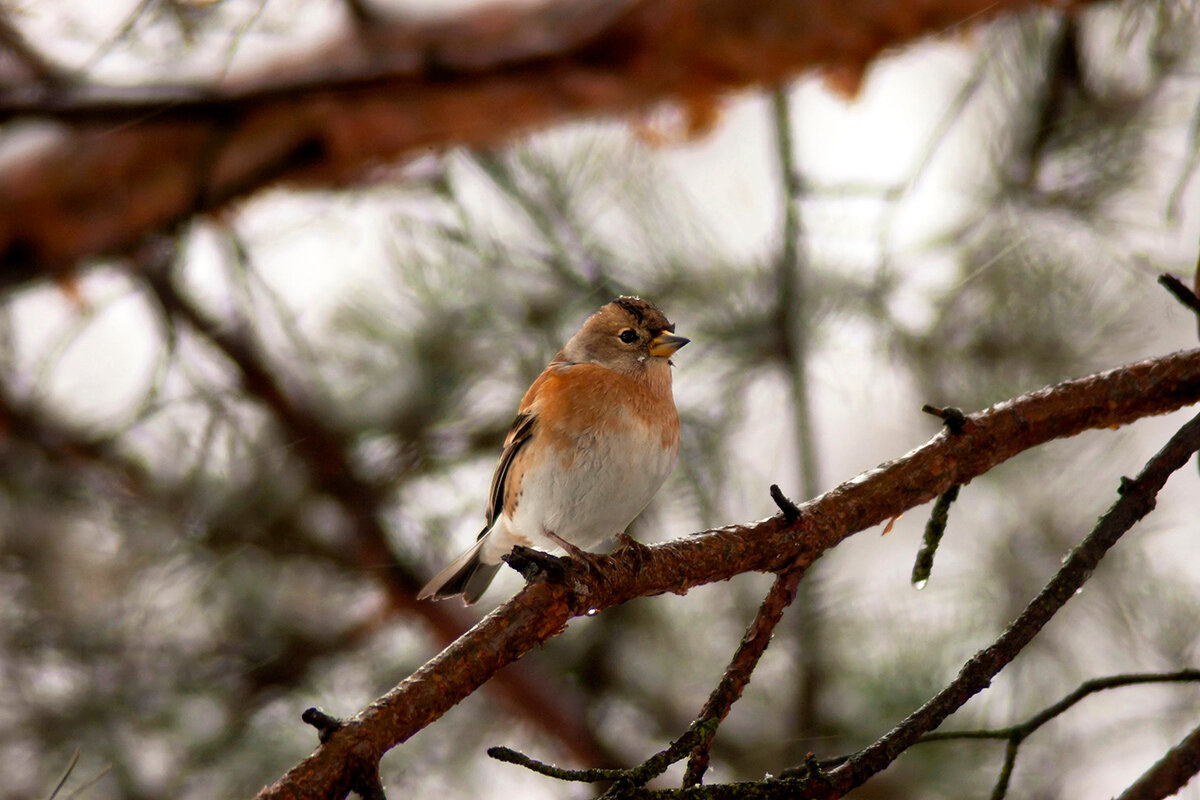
793, 320
1169, 774
1015, 735
66, 444
1188, 169
39, 66
1064, 77
541, 610
396, 87
326, 453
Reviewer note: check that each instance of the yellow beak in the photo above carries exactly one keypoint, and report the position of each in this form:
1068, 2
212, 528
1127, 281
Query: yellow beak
666, 343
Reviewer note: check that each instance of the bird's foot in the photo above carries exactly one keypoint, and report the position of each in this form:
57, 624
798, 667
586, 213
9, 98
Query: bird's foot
591, 562
632, 548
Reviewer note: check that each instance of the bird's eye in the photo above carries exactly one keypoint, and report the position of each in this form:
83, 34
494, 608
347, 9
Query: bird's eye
628, 336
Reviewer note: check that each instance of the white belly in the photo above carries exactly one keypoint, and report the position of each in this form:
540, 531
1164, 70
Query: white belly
589, 498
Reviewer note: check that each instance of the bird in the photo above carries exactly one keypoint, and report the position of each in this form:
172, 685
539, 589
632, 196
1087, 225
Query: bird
594, 438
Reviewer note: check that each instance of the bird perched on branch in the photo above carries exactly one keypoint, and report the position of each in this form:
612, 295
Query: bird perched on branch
595, 437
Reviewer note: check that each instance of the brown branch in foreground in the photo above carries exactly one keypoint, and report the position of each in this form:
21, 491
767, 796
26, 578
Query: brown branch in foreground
325, 452
1170, 773
397, 87
1015, 735
541, 610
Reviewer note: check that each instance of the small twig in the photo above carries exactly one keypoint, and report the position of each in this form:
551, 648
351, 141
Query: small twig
955, 419
596, 775
791, 511
66, 774
363, 771
1180, 291
89, 783
1014, 735
934, 531
737, 674
326, 725
367, 784
626, 776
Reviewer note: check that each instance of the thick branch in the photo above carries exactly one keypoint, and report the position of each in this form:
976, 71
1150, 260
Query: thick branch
542, 610
137, 160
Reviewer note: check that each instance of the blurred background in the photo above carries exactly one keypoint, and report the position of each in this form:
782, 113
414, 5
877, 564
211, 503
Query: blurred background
222, 481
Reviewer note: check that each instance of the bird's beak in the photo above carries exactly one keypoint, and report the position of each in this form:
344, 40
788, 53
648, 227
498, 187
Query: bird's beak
666, 343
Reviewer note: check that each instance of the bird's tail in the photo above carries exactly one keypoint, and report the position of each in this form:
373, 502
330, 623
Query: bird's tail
467, 575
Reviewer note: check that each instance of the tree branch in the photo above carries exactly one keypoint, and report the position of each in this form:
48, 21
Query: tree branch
1137, 499
541, 610
128, 161
40, 67
1170, 773
1015, 735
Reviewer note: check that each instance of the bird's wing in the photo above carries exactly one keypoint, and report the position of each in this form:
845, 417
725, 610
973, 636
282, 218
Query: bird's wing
518, 435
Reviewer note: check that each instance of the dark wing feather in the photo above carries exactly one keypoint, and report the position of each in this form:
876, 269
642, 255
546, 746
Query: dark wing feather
518, 435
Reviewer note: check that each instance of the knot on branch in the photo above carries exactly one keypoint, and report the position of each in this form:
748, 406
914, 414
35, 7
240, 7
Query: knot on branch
326, 725
361, 765
954, 419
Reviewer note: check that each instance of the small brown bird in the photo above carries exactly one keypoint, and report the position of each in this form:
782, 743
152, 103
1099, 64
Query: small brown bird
595, 437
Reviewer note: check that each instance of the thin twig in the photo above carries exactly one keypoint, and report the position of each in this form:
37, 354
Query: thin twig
954, 418
741, 666
934, 530
1180, 292
1015, 735
791, 512
66, 774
